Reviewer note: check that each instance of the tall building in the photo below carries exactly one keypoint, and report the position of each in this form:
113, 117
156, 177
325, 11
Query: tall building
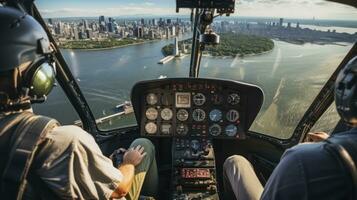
172, 31
298, 25
50, 21
142, 21
102, 24
85, 24
176, 50
281, 21
89, 33
168, 21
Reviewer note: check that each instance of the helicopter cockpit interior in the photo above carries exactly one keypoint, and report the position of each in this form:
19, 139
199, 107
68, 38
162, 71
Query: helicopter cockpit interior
199, 104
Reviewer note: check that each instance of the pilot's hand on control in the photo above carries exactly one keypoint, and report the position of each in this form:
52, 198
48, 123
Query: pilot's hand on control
134, 155
317, 137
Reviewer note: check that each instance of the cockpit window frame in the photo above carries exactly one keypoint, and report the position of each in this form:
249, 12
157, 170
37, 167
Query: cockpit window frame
74, 94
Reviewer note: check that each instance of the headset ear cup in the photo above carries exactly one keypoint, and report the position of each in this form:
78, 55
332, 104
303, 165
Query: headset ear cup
42, 80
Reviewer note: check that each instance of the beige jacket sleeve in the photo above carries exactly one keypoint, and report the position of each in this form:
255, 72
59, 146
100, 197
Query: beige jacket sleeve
73, 166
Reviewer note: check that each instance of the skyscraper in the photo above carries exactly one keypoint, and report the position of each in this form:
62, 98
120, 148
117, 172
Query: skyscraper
281, 20
102, 24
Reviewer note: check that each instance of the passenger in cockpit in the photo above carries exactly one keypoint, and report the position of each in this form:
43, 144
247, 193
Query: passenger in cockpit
39, 155
324, 169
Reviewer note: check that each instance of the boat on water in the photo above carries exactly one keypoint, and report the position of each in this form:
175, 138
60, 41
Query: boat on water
121, 109
124, 108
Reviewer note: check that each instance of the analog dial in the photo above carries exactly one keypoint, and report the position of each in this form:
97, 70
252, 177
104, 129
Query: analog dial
151, 128
232, 115
166, 114
199, 99
151, 99
166, 129
198, 115
151, 114
181, 129
233, 99
182, 115
215, 130
215, 115
231, 130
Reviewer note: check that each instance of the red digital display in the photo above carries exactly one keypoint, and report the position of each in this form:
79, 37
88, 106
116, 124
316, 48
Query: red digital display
195, 173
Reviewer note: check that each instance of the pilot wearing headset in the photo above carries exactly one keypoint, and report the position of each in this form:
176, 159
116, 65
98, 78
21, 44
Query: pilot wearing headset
67, 163
325, 169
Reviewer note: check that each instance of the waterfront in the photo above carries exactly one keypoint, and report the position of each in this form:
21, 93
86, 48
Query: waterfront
290, 76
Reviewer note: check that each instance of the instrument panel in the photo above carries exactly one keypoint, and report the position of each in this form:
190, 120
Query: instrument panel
185, 107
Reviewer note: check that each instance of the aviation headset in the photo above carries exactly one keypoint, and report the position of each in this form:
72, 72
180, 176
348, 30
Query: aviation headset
22, 40
346, 92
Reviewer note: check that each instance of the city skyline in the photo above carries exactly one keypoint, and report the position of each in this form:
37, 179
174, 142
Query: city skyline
302, 9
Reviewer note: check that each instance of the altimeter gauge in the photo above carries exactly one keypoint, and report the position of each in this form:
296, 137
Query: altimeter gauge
232, 115
233, 99
231, 130
151, 99
151, 114
151, 128
215, 130
215, 115
199, 99
198, 115
182, 115
166, 114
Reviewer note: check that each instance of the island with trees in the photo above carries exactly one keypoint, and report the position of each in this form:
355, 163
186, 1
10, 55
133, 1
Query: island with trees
231, 44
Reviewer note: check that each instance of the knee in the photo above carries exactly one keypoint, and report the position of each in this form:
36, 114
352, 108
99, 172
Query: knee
149, 147
235, 161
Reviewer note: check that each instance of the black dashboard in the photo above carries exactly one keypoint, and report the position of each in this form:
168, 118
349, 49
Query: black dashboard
193, 111
185, 107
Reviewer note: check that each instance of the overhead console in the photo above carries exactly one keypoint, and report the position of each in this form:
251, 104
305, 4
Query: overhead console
185, 107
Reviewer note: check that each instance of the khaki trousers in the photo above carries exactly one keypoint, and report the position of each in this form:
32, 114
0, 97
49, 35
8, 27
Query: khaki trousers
240, 179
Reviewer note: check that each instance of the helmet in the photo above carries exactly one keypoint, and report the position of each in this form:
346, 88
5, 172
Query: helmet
346, 92
22, 39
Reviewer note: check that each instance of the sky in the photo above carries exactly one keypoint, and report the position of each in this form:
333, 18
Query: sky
306, 9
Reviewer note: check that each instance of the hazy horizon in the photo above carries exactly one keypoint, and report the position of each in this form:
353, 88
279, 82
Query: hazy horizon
296, 9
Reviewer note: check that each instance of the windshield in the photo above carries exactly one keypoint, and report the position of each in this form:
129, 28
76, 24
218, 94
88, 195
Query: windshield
289, 50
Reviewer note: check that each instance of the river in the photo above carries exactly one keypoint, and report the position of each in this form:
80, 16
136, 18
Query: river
290, 76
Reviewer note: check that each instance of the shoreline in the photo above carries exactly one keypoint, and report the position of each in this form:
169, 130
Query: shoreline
113, 47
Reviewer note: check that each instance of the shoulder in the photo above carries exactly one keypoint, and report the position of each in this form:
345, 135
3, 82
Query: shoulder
67, 138
69, 133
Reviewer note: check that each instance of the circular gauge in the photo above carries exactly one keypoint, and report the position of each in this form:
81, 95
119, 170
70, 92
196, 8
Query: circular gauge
198, 115
199, 99
151, 114
181, 129
195, 145
182, 115
151, 128
166, 114
166, 129
215, 115
231, 130
233, 99
151, 99
215, 130
166, 99
216, 99
232, 115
